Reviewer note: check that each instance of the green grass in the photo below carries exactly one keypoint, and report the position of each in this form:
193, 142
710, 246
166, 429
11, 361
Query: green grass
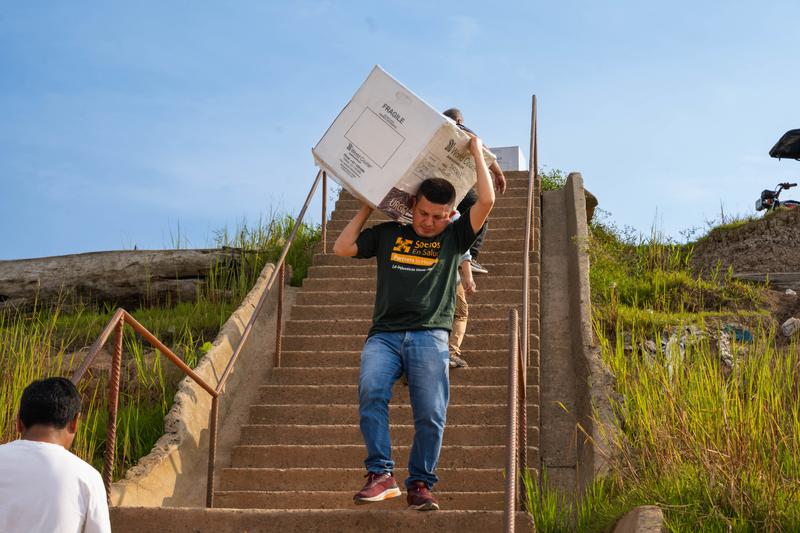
600, 507
717, 449
264, 243
43, 343
552, 179
648, 282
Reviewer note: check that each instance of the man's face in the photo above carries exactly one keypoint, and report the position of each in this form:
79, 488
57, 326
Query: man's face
429, 219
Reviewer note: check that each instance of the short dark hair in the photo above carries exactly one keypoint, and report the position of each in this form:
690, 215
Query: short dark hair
437, 191
453, 113
49, 402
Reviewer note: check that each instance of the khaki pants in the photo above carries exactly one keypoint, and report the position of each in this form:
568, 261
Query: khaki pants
459, 321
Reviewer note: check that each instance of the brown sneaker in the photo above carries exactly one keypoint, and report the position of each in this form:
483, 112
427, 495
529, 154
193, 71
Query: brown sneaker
379, 487
420, 498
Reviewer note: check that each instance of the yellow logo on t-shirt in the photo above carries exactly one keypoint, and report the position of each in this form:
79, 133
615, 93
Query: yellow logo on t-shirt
402, 245
415, 252
414, 260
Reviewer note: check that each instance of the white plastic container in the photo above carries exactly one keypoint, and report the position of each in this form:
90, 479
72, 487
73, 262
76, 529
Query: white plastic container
510, 158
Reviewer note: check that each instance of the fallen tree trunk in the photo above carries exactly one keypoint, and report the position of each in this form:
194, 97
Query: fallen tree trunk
120, 278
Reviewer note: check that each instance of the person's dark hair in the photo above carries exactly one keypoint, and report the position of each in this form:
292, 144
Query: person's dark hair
437, 191
49, 402
454, 113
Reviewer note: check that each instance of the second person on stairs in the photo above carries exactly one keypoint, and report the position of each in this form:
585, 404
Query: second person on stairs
412, 319
469, 200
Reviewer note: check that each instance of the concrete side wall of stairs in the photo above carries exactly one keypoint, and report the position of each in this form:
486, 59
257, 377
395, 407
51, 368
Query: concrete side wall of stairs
576, 389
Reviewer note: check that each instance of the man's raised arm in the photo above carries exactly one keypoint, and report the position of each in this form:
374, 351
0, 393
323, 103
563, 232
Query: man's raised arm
345, 245
480, 211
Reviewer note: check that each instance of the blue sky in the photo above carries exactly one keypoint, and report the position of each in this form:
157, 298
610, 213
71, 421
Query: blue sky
128, 123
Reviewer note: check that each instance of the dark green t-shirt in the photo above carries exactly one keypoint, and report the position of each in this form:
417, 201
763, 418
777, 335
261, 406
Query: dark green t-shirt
416, 275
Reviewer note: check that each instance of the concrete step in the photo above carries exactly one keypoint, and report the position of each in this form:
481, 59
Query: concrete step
348, 394
483, 341
348, 414
496, 223
294, 518
514, 187
349, 375
351, 434
343, 375
474, 501
364, 311
510, 297
513, 194
349, 479
329, 266
510, 207
351, 284
351, 358
516, 177
490, 244
517, 184
361, 326
349, 456
497, 259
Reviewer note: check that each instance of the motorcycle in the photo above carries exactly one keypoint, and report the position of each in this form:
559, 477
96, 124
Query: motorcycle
787, 147
770, 200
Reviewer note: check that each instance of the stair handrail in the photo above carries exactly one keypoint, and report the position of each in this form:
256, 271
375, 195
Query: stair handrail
514, 371
116, 325
122, 317
277, 273
519, 352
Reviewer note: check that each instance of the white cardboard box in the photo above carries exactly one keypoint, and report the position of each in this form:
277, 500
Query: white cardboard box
386, 141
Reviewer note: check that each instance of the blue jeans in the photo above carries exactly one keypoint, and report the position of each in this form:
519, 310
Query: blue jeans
423, 356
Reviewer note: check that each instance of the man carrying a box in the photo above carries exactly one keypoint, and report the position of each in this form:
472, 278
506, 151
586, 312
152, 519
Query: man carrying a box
413, 315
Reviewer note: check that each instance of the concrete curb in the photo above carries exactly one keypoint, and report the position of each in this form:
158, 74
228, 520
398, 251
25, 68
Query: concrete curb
594, 403
182, 452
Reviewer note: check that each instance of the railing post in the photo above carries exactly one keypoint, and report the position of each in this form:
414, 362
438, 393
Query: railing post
523, 421
279, 325
212, 449
113, 404
534, 170
324, 212
511, 459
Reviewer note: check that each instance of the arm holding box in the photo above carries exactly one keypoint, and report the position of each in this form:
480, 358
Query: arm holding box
479, 212
345, 245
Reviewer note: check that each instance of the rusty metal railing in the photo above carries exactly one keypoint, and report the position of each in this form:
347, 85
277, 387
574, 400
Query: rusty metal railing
512, 466
116, 325
519, 351
279, 273
122, 317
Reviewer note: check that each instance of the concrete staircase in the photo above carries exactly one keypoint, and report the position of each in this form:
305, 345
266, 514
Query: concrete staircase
302, 448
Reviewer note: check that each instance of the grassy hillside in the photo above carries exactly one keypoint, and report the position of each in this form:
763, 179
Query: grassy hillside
51, 340
708, 404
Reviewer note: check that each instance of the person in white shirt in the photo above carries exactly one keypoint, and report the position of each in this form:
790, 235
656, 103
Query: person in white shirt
43, 486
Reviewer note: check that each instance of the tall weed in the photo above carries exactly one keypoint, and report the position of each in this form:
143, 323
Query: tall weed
717, 448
